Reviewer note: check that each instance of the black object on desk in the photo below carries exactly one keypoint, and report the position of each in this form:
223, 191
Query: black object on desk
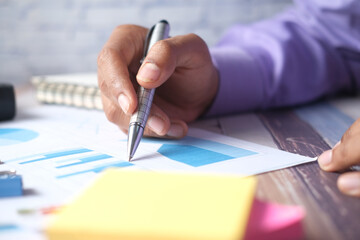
7, 102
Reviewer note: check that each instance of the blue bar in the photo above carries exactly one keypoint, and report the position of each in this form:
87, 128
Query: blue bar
191, 155
212, 146
87, 159
98, 169
7, 227
197, 152
58, 154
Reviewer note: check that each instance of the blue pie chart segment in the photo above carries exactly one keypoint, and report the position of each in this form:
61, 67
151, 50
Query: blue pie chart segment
11, 136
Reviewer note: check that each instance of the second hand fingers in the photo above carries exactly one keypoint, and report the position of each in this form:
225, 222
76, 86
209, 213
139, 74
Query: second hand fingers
346, 153
349, 183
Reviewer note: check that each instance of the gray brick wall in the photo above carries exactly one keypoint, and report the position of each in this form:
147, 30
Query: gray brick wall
65, 36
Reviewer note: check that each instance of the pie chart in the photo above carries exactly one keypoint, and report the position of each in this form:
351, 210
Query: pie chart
11, 136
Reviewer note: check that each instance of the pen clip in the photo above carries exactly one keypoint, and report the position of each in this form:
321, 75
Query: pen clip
147, 42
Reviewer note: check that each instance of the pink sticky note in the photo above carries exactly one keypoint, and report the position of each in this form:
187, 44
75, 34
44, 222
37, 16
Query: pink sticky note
274, 221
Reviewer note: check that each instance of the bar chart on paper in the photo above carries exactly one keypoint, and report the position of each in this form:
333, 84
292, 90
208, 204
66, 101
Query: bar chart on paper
70, 162
191, 152
63, 151
197, 152
206, 152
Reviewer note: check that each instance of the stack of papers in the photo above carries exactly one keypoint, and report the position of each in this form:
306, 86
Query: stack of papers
59, 151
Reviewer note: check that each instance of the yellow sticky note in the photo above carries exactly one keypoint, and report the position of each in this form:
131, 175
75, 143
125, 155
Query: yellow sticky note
146, 205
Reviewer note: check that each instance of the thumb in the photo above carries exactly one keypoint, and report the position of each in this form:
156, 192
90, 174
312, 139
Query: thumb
166, 55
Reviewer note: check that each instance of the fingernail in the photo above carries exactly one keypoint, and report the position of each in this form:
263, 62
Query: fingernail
156, 124
148, 73
350, 184
175, 131
325, 158
123, 102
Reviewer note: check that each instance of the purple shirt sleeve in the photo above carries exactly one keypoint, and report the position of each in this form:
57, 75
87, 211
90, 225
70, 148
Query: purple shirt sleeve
308, 52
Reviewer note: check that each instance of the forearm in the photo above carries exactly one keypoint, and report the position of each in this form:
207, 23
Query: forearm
279, 62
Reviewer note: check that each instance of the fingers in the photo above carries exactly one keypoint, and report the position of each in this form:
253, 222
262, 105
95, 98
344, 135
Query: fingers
121, 52
158, 124
114, 114
167, 55
184, 58
177, 129
346, 153
349, 183
114, 80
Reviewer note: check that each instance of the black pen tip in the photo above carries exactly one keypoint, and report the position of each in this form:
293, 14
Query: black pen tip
164, 21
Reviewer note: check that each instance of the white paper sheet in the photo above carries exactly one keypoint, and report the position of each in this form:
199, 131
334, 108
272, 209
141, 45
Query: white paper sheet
60, 150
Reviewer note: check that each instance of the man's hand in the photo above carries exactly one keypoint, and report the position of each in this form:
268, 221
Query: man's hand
345, 154
179, 67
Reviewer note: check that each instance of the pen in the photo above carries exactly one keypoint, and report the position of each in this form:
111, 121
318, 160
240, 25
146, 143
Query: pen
138, 120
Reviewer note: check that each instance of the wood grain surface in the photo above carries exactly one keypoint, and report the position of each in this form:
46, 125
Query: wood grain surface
308, 130
330, 214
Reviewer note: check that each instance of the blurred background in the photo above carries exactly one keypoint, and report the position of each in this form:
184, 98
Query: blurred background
40, 37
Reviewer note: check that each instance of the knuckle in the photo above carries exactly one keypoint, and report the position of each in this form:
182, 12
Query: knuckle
121, 27
195, 37
125, 28
102, 85
356, 124
105, 56
201, 49
341, 154
163, 47
347, 135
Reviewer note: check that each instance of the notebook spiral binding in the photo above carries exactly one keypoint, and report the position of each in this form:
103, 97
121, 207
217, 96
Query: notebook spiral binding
78, 90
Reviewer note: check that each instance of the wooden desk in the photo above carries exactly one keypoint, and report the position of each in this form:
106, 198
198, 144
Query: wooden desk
307, 130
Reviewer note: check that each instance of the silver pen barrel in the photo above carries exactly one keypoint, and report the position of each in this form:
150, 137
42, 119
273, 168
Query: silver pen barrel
145, 97
138, 120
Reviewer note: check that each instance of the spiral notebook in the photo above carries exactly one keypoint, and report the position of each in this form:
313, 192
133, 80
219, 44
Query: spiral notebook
78, 90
